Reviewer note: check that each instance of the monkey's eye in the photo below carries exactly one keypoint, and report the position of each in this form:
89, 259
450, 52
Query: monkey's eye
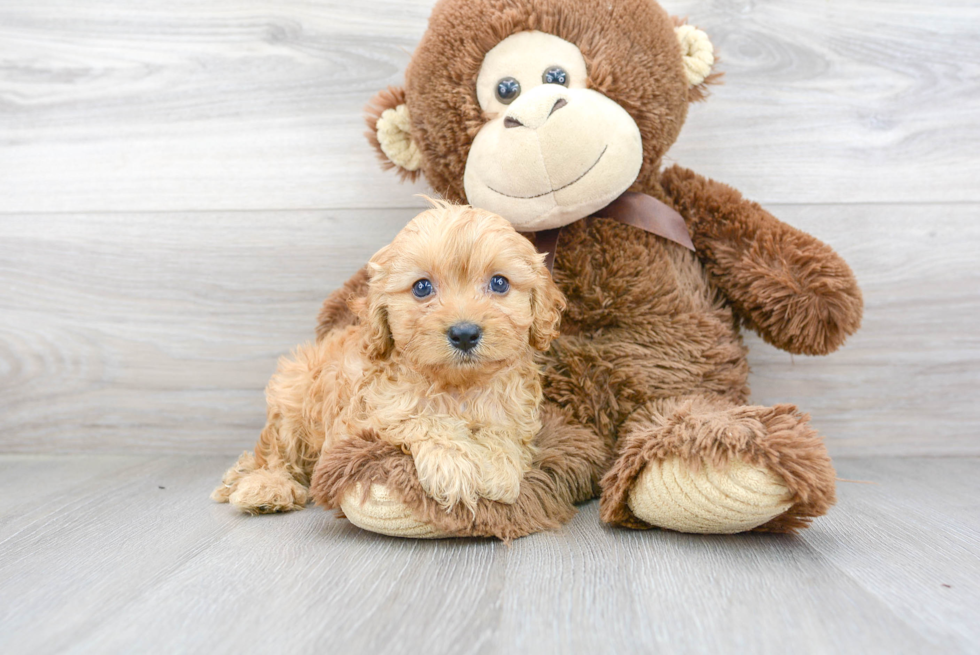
422, 288
499, 284
555, 75
507, 90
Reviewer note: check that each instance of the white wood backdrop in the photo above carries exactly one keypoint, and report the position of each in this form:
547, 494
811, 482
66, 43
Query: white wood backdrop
181, 183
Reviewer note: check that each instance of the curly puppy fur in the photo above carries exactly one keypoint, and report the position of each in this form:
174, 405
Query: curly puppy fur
651, 357
467, 417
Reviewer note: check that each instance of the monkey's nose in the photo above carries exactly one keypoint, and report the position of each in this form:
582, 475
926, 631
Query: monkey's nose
510, 121
533, 109
464, 336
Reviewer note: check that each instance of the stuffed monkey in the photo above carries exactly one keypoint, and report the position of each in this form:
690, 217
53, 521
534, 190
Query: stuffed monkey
556, 114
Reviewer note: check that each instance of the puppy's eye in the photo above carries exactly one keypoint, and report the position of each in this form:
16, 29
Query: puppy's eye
555, 75
507, 90
499, 284
422, 288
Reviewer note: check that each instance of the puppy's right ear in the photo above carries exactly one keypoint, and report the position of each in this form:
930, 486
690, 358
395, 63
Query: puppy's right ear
390, 132
373, 314
547, 305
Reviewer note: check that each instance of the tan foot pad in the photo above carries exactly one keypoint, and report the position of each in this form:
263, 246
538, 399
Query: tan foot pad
668, 494
384, 514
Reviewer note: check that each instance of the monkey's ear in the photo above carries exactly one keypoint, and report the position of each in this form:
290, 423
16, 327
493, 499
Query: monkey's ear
389, 131
699, 57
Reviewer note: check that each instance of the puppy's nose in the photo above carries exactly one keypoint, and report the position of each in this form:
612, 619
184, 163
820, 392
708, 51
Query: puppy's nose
464, 336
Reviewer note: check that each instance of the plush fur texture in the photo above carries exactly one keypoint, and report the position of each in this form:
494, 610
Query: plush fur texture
792, 289
336, 313
467, 418
650, 360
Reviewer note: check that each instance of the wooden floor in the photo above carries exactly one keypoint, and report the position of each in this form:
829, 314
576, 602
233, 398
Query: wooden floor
126, 554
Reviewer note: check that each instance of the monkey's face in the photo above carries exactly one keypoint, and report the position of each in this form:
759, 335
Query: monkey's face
542, 111
552, 150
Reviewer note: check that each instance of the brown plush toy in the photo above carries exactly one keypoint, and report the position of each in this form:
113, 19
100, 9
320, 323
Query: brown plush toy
556, 114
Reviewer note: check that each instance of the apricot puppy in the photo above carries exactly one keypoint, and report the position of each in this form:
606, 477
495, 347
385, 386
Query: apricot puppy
441, 363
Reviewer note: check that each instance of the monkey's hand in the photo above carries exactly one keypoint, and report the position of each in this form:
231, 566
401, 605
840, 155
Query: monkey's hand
788, 286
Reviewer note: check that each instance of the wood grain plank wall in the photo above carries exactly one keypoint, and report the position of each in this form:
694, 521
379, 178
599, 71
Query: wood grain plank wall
182, 183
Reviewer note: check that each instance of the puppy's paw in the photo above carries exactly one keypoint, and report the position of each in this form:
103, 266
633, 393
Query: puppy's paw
229, 482
447, 475
500, 480
266, 492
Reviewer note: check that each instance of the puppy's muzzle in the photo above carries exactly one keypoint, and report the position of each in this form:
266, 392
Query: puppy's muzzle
464, 336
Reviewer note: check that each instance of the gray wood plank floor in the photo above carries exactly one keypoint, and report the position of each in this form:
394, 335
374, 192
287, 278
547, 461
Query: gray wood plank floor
126, 554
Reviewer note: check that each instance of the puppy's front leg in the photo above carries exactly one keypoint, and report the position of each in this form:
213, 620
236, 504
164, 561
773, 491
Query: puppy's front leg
447, 473
445, 457
503, 463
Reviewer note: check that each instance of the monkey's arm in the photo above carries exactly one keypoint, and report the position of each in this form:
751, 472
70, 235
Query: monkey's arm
335, 313
788, 286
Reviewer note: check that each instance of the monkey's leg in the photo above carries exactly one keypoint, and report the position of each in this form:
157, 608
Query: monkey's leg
376, 486
706, 465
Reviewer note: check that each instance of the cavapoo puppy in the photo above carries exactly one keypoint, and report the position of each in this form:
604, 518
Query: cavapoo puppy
441, 363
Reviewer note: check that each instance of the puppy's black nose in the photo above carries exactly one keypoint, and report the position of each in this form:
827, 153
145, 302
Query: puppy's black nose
464, 336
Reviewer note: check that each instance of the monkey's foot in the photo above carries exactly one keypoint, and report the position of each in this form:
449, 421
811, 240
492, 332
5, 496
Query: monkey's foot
381, 512
714, 500
705, 465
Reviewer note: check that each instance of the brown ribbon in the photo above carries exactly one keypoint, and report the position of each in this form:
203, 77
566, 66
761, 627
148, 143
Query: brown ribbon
636, 209
546, 241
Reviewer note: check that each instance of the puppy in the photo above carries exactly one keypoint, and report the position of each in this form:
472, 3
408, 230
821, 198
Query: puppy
440, 363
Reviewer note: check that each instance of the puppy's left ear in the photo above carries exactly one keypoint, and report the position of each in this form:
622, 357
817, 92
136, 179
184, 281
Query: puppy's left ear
373, 313
547, 304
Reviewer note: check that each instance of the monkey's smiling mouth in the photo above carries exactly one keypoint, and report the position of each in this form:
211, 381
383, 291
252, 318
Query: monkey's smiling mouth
565, 186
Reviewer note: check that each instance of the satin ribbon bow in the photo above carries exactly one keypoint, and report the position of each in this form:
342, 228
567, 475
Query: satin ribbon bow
636, 209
